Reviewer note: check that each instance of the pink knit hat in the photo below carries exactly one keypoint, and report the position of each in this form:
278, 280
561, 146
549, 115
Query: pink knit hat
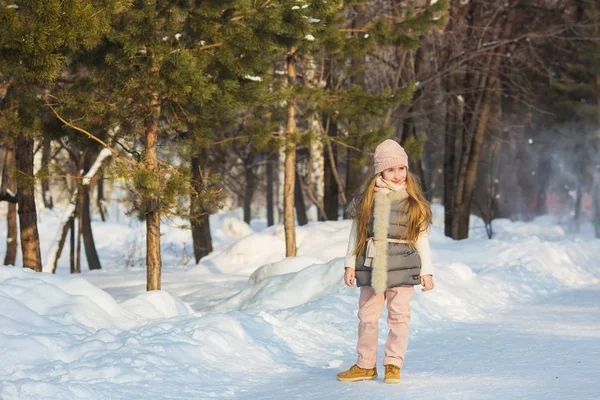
389, 154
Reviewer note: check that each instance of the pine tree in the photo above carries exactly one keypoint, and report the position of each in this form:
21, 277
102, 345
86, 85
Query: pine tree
36, 37
302, 23
177, 75
240, 117
349, 112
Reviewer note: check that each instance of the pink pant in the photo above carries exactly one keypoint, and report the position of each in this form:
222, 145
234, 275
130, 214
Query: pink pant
371, 306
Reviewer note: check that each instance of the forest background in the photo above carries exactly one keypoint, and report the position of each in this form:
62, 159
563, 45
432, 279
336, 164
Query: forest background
176, 109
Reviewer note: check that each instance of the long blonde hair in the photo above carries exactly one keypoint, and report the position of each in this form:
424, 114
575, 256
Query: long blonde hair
417, 206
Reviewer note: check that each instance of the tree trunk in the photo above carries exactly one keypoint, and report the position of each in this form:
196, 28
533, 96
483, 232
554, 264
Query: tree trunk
9, 184
199, 219
596, 181
88, 236
153, 258
68, 225
201, 237
79, 210
409, 129
290, 163
299, 202
354, 158
353, 174
452, 116
331, 186
280, 180
580, 170
481, 85
315, 171
416, 160
544, 171
467, 174
100, 198
271, 161
450, 139
11, 235
68, 218
79, 232
46, 147
3, 154
71, 228
250, 186
30, 240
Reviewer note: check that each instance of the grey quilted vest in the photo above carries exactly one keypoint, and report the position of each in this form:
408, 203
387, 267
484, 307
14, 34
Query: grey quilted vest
393, 264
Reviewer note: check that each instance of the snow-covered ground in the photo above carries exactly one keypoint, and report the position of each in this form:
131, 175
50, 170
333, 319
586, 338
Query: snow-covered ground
516, 317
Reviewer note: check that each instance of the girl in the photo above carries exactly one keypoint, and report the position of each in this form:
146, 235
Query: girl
388, 253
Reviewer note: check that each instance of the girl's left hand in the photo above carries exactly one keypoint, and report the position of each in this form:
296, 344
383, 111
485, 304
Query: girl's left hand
427, 282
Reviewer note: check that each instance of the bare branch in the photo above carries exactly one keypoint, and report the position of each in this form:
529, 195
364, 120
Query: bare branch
88, 134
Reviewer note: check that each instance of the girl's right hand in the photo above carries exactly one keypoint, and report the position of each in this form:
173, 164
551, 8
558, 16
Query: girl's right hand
349, 276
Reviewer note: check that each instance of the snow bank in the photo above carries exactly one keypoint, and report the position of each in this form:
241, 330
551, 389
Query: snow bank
319, 242
63, 338
235, 228
157, 304
474, 277
74, 301
61, 300
288, 290
260, 316
245, 255
285, 266
228, 226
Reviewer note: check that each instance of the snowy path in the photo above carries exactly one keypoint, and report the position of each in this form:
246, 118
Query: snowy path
549, 349
516, 317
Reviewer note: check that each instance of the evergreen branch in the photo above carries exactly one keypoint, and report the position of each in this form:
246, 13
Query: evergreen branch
352, 30
176, 101
231, 139
208, 46
348, 146
170, 168
88, 134
63, 176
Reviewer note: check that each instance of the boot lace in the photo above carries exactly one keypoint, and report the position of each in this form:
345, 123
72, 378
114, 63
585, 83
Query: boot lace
392, 369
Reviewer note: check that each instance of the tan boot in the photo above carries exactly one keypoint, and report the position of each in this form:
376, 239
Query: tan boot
392, 374
356, 373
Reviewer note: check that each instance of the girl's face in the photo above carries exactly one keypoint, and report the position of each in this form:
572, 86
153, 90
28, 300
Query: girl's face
396, 175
